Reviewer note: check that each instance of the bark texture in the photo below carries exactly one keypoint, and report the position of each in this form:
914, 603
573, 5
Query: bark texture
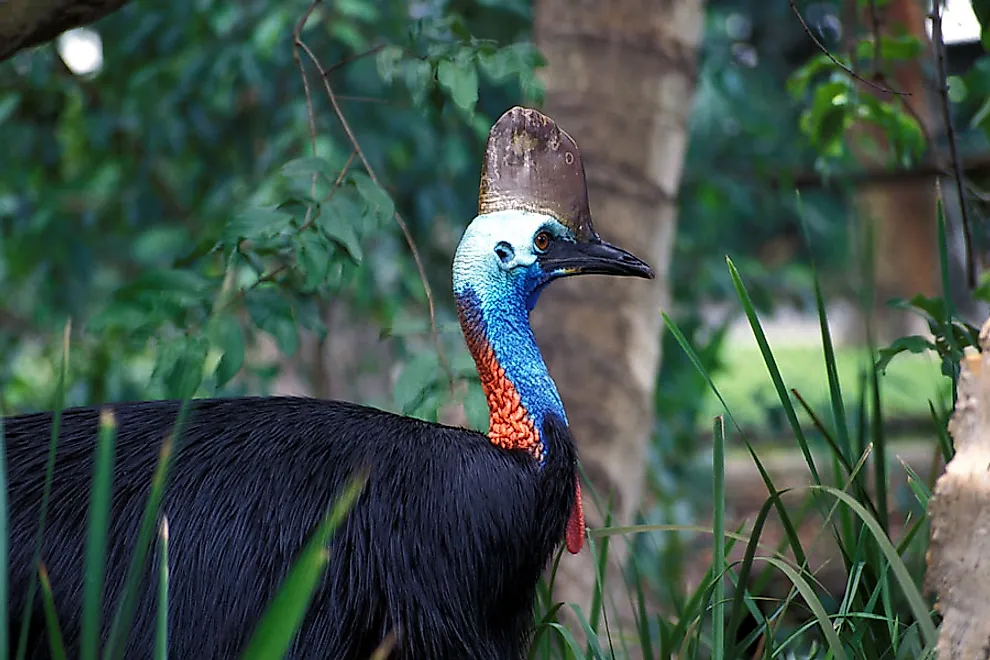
620, 78
26, 23
959, 555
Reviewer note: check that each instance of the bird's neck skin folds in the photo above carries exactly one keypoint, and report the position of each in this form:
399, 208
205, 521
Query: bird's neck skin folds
493, 302
517, 385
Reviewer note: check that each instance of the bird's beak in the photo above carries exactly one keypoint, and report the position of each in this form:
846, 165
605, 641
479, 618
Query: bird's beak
594, 257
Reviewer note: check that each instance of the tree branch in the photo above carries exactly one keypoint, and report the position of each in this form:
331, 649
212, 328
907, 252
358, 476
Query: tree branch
26, 23
938, 43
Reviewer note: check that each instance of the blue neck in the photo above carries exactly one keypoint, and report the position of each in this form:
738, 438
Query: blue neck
502, 317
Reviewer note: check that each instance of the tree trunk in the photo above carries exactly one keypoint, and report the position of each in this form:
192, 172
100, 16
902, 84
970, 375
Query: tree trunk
620, 79
960, 516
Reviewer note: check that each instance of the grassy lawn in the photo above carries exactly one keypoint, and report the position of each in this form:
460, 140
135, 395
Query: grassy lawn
907, 386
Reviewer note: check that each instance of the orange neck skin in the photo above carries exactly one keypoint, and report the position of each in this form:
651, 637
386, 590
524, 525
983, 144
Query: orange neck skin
510, 426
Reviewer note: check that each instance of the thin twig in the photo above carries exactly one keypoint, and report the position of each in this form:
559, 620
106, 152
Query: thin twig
296, 41
369, 99
398, 218
877, 40
943, 89
821, 47
340, 177
336, 184
347, 60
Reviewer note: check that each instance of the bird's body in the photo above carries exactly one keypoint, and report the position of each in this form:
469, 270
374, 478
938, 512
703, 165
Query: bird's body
445, 546
446, 543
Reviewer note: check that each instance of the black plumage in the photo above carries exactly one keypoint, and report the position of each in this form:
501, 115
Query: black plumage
444, 546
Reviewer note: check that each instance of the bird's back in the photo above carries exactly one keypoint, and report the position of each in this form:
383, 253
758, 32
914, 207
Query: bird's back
444, 547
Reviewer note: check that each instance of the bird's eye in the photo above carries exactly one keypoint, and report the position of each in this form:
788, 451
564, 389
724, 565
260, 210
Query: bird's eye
541, 241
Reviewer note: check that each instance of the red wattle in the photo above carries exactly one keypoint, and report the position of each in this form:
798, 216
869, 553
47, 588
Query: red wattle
574, 536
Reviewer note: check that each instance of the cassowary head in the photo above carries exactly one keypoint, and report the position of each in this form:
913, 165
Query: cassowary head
534, 222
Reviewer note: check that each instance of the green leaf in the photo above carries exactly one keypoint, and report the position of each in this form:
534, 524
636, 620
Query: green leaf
379, 202
980, 116
255, 223
225, 333
418, 376
459, 76
179, 365
831, 125
306, 167
313, 257
934, 309
501, 64
912, 344
273, 314
799, 81
337, 223
905, 47
387, 62
981, 8
419, 78
8, 104
308, 314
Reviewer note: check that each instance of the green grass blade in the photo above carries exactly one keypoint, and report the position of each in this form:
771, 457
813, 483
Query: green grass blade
96, 543
774, 371
124, 614
644, 635
161, 628
47, 489
601, 564
568, 638
837, 451
55, 642
718, 551
944, 441
595, 651
918, 487
828, 347
745, 569
785, 519
911, 592
814, 604
285, 612
543, 627
880, 451
832, 371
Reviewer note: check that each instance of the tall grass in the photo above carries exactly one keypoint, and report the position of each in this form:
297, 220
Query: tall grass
881, 611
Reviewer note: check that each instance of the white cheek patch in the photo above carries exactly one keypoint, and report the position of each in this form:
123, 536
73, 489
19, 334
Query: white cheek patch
520, 260
477, 260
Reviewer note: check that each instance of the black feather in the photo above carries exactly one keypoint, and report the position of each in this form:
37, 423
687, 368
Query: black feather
444, 547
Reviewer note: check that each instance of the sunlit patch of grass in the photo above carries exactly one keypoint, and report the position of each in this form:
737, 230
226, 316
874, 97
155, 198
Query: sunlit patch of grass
905, 389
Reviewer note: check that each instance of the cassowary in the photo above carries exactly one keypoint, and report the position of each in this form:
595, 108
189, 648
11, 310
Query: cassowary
447, 541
